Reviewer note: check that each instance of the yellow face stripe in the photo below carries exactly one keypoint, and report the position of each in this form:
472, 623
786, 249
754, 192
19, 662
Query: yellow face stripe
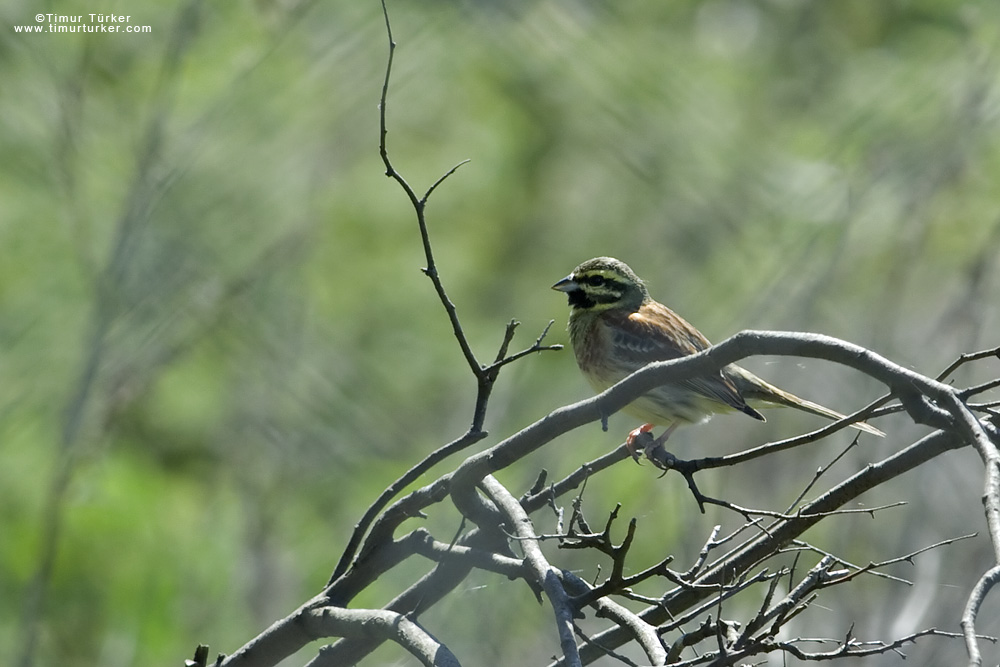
603, 286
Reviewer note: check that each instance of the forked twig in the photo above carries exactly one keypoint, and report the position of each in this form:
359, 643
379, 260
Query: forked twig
485, 375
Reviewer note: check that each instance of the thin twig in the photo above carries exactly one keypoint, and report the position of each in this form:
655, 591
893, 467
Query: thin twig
485, 376
822, 471
872, 567
966, 358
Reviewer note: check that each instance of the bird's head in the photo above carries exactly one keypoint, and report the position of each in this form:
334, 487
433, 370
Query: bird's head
603, 283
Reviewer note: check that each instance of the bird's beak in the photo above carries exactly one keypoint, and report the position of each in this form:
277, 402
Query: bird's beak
567, 284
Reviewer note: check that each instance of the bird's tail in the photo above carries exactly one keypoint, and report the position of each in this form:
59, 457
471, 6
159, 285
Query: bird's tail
756, 392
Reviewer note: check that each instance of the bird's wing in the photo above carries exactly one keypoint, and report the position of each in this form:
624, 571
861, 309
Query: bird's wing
656, 333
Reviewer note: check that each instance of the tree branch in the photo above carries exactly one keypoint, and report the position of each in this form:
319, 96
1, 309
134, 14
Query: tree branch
712, 580
543, 574
783, 532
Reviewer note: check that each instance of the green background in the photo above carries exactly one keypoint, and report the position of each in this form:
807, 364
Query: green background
216, 345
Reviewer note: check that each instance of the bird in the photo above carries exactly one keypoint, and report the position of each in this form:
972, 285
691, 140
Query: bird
616, 328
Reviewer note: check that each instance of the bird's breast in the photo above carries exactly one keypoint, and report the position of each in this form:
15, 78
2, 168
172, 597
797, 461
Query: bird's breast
591, 349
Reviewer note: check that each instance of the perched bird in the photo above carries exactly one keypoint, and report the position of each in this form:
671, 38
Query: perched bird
616, 328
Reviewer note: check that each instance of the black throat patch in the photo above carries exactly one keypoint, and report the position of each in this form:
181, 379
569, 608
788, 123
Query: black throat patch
579, 299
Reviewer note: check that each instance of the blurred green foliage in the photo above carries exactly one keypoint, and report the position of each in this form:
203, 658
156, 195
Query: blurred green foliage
217, 346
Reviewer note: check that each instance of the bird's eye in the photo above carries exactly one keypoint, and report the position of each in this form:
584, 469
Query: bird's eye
596, 281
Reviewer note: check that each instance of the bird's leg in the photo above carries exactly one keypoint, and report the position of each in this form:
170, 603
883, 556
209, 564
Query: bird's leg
666, 434
648, 444
654, 451
657, 444
643, 432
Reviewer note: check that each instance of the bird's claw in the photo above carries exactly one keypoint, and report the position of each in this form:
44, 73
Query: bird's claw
639, 440
641, 443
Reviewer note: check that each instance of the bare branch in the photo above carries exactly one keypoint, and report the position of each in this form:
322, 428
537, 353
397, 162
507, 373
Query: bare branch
782, 610
543, 574
697, 596
575, 479
784, 531
394, 489
502, 358
423, 200
711, 543
873, 567
850, 647
427, 546
485, 376
420, 596
644, 634
975, 601
967, 358
968, 392
822, 471
379, 624
419, 204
